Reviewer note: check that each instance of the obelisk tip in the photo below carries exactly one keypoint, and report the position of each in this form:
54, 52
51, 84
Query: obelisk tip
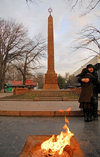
50, 10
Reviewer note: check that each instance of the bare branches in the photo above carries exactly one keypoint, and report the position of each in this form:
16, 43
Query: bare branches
12, 45
94, 4
89, 39
35, 51
87, 6
33, 1
75, 3
16, 47
13, 39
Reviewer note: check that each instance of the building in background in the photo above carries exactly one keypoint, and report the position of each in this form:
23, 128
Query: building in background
95, 61
11, 85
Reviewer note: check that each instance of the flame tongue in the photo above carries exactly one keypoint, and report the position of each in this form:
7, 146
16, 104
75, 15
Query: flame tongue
57, 143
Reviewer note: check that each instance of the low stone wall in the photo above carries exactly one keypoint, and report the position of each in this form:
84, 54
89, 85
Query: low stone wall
19, 91
78, 90
38, 94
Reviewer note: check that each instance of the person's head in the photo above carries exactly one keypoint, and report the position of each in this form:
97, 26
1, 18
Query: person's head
90, 68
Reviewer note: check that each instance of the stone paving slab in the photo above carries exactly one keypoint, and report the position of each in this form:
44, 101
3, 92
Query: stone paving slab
39, 105
40, 108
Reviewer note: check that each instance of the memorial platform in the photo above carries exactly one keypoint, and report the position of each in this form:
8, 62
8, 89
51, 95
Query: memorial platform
41, 108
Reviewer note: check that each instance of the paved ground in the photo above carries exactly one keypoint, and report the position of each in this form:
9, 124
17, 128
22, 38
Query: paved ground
40, 108
38, 105
15, 130
5, 94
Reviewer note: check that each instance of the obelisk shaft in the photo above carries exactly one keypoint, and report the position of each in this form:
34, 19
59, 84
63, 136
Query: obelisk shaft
50, 76
50, 45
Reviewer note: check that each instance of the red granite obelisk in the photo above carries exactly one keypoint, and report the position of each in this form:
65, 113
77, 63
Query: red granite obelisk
50, 76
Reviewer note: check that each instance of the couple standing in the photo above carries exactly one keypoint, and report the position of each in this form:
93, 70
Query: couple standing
89, 92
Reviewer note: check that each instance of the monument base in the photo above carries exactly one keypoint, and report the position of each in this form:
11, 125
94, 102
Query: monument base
51, 81
51, 87
49, 94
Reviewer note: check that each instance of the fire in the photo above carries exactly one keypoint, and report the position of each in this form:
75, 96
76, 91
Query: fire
69, 109
56, 144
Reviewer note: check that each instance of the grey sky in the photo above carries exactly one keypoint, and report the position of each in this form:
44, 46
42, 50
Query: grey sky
34, 16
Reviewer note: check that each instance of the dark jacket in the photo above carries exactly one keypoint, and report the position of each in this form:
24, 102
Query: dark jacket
87, 89
97, 86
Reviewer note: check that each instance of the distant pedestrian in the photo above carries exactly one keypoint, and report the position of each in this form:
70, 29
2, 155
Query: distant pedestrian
88, 79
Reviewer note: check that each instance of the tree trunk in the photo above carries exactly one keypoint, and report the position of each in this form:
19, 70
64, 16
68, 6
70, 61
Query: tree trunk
2, 80
25, 70
24, 79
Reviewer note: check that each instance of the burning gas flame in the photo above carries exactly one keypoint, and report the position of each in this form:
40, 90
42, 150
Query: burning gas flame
57, 143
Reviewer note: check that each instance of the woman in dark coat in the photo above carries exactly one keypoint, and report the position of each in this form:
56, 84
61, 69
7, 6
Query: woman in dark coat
87, 79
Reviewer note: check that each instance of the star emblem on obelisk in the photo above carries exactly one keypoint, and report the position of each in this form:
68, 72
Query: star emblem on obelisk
50, 10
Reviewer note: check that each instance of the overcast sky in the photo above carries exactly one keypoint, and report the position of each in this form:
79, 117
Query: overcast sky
67, 24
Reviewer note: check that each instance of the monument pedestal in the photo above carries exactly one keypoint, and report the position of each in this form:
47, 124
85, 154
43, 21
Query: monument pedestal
51, 81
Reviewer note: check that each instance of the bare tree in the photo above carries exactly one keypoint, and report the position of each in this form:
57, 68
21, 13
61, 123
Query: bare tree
34, 52
66, 77
14, 44
33, 1
12, 39
12, 74
40, 80
88, 5
89, 38
29, 0
72, 81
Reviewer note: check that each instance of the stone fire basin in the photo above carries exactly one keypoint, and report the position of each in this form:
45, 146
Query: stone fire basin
33, 144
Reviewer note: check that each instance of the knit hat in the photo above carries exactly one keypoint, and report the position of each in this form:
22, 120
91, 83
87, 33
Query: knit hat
90, 66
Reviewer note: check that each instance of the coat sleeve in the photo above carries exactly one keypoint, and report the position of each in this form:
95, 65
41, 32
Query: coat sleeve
98, 87
96, 83
95, 79
79, 77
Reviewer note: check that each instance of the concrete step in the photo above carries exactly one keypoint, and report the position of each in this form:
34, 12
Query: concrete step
51, 98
